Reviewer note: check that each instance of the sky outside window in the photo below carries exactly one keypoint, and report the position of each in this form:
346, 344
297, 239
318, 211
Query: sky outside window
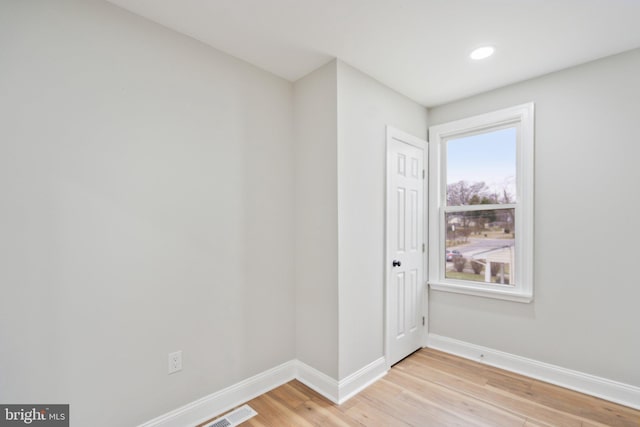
488, 157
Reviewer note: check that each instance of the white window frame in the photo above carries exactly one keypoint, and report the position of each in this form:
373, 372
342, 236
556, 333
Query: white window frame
520, 117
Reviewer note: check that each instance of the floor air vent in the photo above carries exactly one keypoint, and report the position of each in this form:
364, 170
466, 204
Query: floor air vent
234, 417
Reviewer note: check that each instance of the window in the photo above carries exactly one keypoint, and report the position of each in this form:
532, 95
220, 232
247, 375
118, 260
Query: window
481, 205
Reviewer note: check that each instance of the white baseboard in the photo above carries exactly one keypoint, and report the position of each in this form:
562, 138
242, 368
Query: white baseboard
361, 379
318, 381
340, 391
217, 403
624, 394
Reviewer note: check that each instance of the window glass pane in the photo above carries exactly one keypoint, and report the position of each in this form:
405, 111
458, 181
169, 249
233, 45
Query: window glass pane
481, 169
480, 246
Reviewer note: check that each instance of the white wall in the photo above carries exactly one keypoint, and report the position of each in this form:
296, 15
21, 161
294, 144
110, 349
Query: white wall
585, 314
341, 116
316, 214
365, 108
146, 205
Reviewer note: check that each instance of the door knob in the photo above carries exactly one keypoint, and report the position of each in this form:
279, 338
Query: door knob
396, 263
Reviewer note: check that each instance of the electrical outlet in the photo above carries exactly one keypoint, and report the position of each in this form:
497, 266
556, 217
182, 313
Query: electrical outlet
175, 362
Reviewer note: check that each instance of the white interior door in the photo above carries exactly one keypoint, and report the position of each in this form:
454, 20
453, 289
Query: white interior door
405, 244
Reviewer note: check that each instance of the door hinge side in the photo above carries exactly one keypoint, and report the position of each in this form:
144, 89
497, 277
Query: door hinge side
422, 320
423, 173
423, 248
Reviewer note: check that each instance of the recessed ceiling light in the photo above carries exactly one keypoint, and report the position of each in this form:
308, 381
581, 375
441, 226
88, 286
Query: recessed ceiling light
482, 52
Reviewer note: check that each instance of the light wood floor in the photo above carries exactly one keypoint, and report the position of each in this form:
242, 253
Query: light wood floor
431, 388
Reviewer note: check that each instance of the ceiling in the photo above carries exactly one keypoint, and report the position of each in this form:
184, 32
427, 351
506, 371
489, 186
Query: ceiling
420, 48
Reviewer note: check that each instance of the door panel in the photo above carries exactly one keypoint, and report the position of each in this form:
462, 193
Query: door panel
413, 214
401, 234
400, 307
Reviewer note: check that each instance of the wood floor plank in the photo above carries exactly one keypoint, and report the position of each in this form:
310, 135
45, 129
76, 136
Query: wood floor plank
372, 416
471, 373
291, 396
406, 408
588, 407
432, 388
321, 412
496, 397
530, 423
297, 385
579, 405
471, 409
277, 414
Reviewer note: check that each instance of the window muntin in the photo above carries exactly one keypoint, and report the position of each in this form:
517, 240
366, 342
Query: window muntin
481, 196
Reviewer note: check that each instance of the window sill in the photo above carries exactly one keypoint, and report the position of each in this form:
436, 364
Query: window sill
510, 295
